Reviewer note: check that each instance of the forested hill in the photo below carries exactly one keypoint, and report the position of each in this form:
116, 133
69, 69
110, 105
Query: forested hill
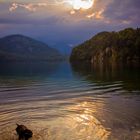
122, 46
23, 48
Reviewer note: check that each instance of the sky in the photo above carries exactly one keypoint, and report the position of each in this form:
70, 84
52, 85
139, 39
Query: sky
64, 24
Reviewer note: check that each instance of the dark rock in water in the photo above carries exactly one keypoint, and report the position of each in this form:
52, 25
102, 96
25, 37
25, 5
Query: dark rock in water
23, 132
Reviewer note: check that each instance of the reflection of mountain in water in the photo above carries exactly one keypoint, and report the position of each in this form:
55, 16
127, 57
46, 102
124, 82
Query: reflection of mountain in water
100, 74
24, 71
57, 103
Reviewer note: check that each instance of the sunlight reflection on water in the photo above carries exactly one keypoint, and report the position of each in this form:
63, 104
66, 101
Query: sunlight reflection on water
73, 122
60, 105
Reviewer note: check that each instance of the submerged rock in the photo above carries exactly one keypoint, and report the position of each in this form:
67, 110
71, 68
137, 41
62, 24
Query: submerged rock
23, 132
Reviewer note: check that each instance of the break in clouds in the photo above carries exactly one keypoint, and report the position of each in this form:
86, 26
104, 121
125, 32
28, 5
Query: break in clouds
63, 21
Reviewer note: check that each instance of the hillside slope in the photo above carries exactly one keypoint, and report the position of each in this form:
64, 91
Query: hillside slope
19, 47
122, 46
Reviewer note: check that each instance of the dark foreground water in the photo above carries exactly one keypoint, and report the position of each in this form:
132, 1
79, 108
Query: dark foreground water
63, 102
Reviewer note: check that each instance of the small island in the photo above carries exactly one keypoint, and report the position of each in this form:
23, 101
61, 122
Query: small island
113, 47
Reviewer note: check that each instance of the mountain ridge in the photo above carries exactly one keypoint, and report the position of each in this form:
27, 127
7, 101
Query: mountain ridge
120, 47
18, 47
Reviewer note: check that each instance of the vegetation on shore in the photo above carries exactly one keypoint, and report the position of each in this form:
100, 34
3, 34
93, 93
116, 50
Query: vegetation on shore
122, 46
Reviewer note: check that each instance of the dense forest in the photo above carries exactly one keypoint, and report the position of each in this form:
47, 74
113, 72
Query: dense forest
122, 46
23, 48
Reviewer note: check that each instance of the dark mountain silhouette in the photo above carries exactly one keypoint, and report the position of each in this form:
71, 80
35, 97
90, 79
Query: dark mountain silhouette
22, 48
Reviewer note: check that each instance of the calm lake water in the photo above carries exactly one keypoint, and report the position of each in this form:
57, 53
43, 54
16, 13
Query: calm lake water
58, 101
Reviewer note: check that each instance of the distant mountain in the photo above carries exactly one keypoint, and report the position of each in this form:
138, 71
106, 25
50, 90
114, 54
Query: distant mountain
63, 48
23, 48
120, 47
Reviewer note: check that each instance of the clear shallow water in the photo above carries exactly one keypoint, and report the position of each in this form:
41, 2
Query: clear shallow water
64, 102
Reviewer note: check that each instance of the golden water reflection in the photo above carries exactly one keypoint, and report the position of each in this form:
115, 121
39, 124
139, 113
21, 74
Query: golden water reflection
83, 118
79, 122
68, 122
85, 124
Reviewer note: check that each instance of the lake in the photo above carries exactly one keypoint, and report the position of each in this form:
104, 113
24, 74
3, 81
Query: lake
60, 101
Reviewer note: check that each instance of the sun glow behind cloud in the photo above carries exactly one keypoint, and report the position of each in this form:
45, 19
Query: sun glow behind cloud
81, 4
73, 5
66, 21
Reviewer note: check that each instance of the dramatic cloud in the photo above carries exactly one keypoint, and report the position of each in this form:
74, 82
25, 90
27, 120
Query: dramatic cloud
96, 15
30, 6
64, 22
126, 11
75, 5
